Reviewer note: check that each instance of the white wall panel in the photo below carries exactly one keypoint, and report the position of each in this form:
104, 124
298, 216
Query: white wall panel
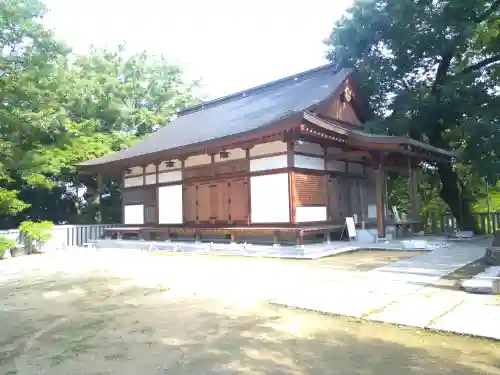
269, 198
151, 168
333, 150
170, 204
163, 166
301, 161
134, 171
308, 148
169, 177
355, 168
198, 160
266, 164
133, 181
151, 179
335, 165
268, 148
310, 214
133, 214
234, 154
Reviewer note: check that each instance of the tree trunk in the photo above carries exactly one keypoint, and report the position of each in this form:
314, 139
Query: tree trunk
458, 203
451, 187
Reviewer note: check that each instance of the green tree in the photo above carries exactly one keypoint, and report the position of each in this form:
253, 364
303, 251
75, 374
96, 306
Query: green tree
58, 109
28, 53
431, 71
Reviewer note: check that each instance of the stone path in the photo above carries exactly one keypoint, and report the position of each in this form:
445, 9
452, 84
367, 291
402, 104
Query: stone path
403, 293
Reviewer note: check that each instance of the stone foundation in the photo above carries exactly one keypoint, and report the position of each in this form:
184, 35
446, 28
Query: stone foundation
492, 256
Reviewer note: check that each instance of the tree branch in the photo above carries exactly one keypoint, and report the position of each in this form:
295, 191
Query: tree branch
441, 71
483, 16
481, 64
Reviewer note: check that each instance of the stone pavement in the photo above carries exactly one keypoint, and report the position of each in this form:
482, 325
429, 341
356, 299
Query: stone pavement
403, 293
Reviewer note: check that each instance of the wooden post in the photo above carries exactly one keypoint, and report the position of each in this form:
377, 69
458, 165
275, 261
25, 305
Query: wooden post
276, 238
413, 180
300, 238
380, 191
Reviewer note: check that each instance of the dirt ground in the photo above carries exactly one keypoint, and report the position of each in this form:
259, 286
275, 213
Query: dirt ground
351, 261
363, 260
90, 323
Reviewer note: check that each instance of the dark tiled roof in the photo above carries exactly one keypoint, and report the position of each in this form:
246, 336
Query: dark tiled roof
239, 113
374, 138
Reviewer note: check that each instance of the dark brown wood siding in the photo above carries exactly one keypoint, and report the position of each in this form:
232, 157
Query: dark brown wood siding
338, 199
190, 203
238, 196
204, 208
310, 190
219, 202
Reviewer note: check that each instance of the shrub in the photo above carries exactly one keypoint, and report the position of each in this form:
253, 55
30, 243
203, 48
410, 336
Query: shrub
5, 245
37, 233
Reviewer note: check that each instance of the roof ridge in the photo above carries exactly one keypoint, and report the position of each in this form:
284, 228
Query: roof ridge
258, 89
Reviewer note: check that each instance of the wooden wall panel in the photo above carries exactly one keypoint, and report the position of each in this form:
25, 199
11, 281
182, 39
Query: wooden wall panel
310, 190
217, 202
197, 172
233, 166
238, 195
355, 192
204, 204
343, 111
220, 201
338, 199
190, 203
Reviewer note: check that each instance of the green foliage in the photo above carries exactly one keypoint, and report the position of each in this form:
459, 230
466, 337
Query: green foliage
39, 232
5, 245
431, 70
58, 109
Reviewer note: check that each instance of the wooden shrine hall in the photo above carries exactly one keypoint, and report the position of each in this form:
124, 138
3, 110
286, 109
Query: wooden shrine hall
284, 159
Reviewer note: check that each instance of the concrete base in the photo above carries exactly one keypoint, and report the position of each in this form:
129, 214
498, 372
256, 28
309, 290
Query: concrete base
487, 282
492, 256
463, 234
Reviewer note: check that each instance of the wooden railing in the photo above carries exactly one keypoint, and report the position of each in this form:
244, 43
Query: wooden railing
447, 223
64, 236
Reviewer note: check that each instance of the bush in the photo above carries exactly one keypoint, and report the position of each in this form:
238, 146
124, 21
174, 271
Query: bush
37, 233
5, 245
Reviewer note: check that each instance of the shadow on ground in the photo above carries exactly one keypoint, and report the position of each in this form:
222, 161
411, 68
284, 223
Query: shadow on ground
94, 324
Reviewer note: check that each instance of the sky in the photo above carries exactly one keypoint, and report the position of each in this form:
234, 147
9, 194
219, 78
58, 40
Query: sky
230, 44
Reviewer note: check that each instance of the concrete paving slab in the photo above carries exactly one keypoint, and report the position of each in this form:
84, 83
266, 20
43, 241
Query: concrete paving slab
471, 319
379, 286
346, 304
417, 310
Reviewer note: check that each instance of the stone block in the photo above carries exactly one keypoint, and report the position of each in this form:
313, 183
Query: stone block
492, 255
496, 240
496, 286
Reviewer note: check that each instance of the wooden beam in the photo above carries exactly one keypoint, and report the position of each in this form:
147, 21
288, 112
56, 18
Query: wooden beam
349, 155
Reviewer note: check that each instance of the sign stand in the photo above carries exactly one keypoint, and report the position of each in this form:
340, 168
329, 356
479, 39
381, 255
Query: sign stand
351, 228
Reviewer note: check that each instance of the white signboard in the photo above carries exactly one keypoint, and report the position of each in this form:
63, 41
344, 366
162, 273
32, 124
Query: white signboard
372, 211
351, 228
397, 218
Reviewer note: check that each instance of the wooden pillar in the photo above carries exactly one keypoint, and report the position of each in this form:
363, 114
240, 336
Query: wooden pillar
291, 182
380, 192
414, 197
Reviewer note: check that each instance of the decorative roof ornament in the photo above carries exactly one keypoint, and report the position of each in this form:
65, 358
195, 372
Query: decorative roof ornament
348, 94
